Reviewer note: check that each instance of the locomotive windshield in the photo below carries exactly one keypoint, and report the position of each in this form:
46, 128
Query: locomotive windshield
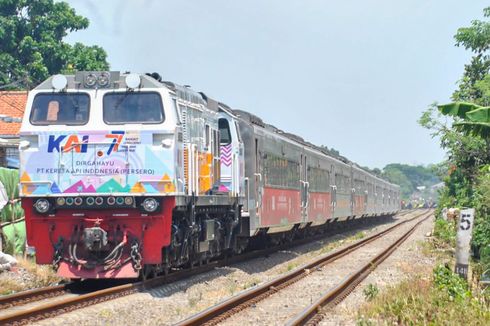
143, 108
60, 109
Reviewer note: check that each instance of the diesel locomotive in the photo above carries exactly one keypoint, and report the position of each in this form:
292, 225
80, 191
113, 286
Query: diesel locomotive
125, 175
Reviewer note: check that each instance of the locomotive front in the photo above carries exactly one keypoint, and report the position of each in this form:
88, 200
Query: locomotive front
98, 173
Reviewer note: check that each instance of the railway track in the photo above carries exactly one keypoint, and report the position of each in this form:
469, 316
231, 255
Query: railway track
314, 313
34, 305
25, 297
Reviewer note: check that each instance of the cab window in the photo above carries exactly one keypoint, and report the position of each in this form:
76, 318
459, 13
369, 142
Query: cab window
60, 109
121, 108
224, 132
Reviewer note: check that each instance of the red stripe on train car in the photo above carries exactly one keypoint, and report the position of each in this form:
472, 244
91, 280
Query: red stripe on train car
280, 207
319, 206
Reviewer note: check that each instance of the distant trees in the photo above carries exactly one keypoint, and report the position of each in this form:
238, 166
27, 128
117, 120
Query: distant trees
31, 42
409, 177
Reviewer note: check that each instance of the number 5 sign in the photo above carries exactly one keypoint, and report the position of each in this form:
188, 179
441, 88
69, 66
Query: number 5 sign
463, 238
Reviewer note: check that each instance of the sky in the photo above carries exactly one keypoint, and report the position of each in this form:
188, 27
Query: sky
352, 75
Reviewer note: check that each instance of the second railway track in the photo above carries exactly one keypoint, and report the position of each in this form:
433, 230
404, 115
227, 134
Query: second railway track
250, 298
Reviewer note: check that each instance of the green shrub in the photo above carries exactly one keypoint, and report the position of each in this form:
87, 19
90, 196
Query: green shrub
445, 232
481, 231
370, 292
450, 283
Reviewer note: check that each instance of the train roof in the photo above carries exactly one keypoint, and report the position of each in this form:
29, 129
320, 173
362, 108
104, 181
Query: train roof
154, 80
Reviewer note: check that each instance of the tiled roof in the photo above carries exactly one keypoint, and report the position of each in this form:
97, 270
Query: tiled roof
12, 104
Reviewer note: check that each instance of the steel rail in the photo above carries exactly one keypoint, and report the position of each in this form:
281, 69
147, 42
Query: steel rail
52, 309
25, 297
227, 308
313, 314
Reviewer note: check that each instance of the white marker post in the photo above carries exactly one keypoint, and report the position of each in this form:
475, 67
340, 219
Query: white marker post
463, 238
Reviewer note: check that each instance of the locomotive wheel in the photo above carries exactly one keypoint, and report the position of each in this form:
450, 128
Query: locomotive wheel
148, 272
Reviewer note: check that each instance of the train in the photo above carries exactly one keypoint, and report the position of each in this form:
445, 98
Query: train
125, 175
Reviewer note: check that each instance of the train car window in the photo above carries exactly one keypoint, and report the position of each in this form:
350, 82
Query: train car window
60, 109
216, 143
319, 180
224, 132
207, 136
121, 108
359, 185
279, 172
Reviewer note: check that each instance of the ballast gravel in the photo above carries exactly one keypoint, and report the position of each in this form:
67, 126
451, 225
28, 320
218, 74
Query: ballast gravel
174, 302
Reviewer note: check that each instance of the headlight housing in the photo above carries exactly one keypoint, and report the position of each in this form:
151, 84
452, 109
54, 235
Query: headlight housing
90, 80
42, 206
150, 205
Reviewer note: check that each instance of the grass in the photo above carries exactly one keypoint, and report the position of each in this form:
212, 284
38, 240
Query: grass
43, 275
419, 301
442, 298
9, 286
370, 292
251, 283
38, 276
444, 234
359, 235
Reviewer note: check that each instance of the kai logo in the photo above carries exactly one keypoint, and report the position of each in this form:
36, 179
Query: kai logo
79, 144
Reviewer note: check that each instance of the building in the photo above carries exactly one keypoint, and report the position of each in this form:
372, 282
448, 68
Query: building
12, 106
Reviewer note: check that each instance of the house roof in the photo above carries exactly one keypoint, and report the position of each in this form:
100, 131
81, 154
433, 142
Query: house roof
12, 104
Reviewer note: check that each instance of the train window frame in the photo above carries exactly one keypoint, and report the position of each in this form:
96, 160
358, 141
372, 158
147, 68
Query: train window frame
207, 136
47, 123
237, 128
280, 172
177, 111
134, 122
319, 180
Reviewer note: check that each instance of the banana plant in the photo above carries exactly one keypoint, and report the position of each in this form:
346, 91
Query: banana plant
470, 118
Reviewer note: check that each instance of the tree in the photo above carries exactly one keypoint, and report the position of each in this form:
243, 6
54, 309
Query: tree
410, 177
475, 38
466, 136
31, 42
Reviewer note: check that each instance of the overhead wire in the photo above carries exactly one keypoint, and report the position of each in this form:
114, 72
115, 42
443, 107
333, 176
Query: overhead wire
14, 83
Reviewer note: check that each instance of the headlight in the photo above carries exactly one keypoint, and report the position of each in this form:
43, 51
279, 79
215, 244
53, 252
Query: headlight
42, 205
60, 201
90, 80
150, 205
128, 201
90, 201
120, 200
78, 201
69, 201
103, 79
99, 200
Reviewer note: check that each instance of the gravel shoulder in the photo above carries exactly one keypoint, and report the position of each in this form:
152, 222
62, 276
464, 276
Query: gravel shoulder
171, 303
